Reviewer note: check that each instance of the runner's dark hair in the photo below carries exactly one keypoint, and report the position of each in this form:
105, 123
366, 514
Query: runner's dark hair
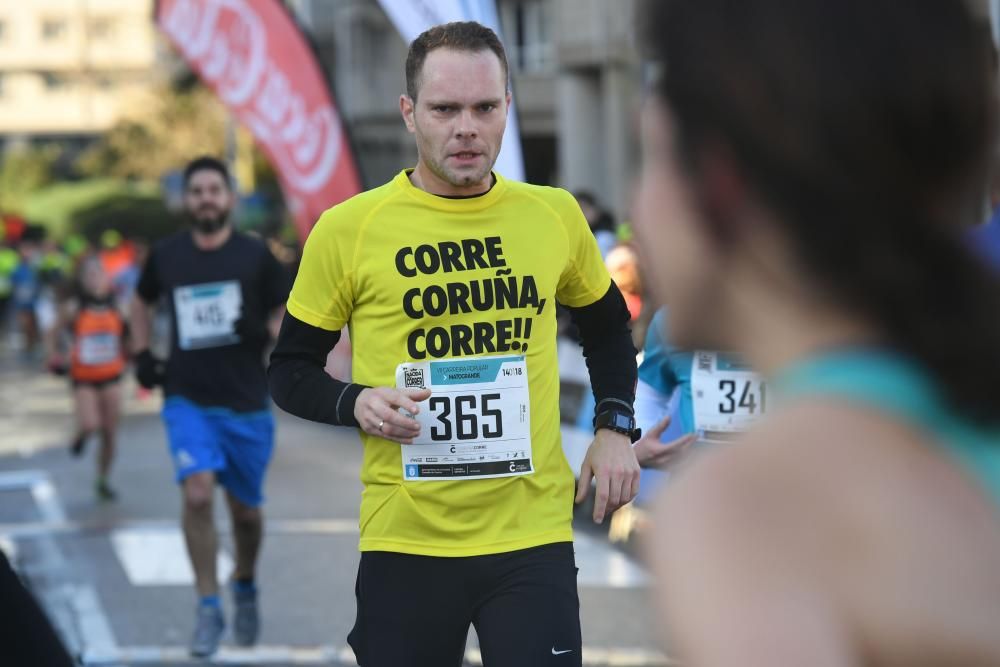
206, 162
867, 127
459, 35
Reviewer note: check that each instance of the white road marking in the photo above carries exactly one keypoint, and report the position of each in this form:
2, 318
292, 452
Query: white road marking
47, 498
75, 609
9, 547
20, 479
273, 526
92, 622
331, 655
158, 557
259, 655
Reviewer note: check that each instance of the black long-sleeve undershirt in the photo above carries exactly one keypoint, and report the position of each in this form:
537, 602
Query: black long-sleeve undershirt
300, 385
298, 380
608, 349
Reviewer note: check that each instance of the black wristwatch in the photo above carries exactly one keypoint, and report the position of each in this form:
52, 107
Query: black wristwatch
618, 421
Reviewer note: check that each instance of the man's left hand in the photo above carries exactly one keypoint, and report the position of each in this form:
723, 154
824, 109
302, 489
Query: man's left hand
611, 462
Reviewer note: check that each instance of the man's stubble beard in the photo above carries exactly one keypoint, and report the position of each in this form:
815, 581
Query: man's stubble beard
209, 225
438, 168
456, 180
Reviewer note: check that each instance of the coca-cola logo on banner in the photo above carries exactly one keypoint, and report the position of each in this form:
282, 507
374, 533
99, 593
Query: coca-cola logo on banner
254, 57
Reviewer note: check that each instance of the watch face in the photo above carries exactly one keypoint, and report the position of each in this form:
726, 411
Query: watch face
622, 421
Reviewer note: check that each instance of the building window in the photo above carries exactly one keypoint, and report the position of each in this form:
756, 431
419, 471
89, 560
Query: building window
105, 82
53, 28
526, 35
54, 82
102, 27
3, 31
3, 88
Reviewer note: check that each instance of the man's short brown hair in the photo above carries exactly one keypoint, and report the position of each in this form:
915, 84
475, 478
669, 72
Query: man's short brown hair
461, 36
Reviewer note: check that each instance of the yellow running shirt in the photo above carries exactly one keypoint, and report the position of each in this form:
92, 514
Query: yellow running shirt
457, 295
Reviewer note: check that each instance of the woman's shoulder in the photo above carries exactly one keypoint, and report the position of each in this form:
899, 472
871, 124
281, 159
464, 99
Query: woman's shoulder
854, 518
816, 462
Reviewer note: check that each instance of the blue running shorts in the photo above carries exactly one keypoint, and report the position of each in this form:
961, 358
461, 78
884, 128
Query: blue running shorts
236, 446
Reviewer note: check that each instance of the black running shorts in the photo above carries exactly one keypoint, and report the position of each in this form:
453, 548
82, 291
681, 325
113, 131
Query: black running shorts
415, 611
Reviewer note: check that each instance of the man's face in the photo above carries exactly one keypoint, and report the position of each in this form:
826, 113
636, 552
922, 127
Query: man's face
208, 199
459, 116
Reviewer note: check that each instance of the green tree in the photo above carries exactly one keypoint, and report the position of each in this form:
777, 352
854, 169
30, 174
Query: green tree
171, 126
23, 171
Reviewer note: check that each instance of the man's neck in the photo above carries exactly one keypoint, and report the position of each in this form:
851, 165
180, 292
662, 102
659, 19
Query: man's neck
212, 240
423, 179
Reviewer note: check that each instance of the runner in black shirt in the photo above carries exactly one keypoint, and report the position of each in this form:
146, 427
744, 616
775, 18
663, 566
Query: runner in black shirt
226, 293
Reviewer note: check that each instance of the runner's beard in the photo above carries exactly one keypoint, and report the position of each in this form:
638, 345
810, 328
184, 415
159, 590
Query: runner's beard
209, 225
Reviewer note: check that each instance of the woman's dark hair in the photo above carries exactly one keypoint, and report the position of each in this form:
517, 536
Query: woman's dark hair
868, 127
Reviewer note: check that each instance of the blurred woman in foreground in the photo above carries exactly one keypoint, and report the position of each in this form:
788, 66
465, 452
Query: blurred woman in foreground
808, 169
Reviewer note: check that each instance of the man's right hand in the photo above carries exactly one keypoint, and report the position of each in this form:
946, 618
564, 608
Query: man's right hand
149, 371
377, 411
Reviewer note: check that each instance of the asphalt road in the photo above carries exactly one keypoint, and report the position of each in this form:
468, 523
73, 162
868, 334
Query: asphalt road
114, 576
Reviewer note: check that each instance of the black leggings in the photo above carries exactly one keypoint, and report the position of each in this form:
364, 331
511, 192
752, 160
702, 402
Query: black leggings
415, 611
26, 635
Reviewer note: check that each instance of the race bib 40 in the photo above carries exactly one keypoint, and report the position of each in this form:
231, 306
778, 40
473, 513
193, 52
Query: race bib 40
206, 314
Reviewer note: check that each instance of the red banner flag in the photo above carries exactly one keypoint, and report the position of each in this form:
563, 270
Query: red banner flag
255, 58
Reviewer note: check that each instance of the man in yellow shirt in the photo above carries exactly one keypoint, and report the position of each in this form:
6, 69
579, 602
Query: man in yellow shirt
447, 277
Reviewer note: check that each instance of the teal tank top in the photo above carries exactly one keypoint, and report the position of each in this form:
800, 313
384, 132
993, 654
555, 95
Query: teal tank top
896, 386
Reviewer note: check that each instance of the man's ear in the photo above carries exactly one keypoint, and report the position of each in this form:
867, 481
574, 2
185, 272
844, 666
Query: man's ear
406, 108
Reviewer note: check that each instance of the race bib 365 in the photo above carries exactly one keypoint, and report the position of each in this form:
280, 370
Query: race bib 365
477, 422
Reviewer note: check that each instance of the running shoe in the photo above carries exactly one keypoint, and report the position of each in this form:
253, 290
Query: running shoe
78, 445
104, 491
208, 629
246, 621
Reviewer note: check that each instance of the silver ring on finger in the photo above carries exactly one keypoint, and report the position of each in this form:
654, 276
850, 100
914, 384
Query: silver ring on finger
381, 423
